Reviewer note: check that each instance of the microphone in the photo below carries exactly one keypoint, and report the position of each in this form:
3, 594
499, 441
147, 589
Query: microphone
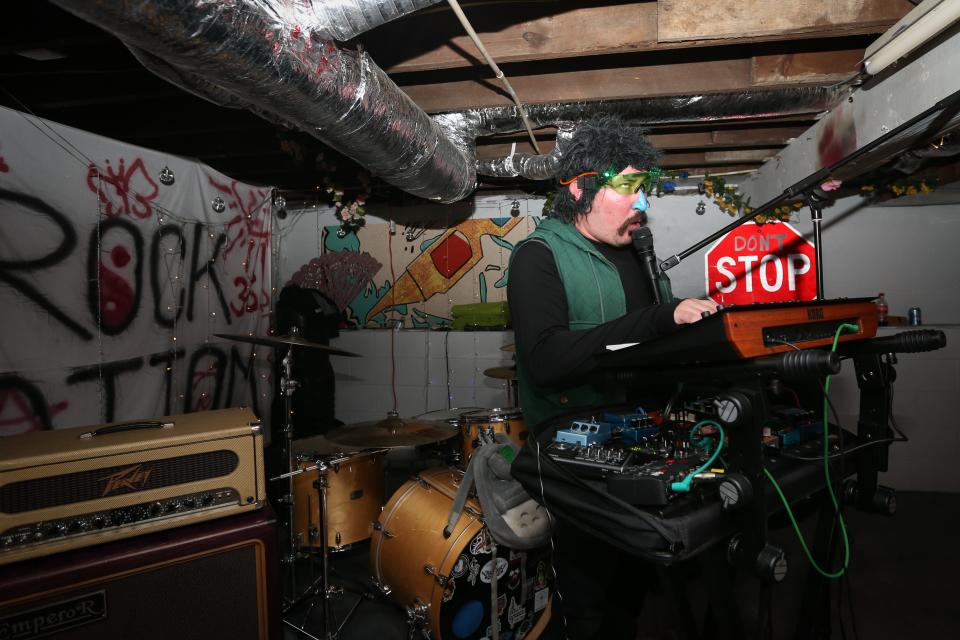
643, 244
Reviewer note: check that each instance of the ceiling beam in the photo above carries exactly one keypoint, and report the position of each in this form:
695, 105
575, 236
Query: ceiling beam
807, 66
609, 29
742, 139
695, 20
690, 76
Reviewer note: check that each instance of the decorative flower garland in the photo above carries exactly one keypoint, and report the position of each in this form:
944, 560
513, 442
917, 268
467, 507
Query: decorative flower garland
901, 188
732, 202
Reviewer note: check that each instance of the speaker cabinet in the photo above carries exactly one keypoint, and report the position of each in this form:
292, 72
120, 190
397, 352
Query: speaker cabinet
215, 579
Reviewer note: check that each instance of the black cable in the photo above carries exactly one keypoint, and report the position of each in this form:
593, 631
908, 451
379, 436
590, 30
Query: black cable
893, 421
790, 456
853, 610
673, 399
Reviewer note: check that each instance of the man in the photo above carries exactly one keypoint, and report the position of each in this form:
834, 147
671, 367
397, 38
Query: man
577, 285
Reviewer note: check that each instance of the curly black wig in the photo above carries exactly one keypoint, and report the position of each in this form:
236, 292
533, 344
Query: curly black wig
600, 144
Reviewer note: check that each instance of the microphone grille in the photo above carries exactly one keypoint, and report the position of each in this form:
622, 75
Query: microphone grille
642, 238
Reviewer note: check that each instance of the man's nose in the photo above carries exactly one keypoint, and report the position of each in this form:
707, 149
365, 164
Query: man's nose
640, 204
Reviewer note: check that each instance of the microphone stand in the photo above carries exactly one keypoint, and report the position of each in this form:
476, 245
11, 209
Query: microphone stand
815, 200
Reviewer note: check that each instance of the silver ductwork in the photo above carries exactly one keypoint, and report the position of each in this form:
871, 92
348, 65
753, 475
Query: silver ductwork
706, 108
268, 57
279, 59
345, 19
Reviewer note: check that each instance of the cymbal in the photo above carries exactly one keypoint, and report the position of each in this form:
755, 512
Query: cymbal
509, 347
320, 445
390, 432
282, 341
503, 373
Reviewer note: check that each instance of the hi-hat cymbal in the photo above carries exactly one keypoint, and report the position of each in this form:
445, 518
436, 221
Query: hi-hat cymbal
509, 348
391, 432
282, 341
503, 373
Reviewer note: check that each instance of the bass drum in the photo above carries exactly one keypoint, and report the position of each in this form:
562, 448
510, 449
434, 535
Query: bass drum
447, 581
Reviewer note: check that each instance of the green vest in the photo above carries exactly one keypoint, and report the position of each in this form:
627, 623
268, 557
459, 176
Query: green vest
594, 296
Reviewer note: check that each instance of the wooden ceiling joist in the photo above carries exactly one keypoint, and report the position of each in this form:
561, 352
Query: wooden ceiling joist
554, 33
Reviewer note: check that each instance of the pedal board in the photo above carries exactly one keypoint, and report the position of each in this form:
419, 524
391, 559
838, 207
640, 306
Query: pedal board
648, 485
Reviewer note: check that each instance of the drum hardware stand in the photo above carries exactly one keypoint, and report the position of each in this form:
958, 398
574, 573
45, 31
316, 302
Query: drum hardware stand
321, 586
288, 386
416, 618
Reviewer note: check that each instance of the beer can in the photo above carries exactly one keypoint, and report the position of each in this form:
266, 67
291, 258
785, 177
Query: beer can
913, 316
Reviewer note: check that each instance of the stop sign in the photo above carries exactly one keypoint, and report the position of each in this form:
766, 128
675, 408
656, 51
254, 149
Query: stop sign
768, 262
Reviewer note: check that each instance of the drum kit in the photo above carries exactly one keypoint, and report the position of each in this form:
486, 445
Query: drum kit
457, 586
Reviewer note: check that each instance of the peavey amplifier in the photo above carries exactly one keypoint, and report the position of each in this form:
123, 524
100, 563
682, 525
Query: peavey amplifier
76, 487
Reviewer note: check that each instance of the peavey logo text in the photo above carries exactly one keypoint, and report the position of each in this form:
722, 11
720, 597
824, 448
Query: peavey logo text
132, 478
55, 618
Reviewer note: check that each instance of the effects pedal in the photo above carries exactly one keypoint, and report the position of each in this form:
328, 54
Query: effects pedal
592, 460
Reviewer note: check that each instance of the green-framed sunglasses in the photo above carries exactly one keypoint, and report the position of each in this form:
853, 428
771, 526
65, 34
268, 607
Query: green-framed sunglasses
624, 184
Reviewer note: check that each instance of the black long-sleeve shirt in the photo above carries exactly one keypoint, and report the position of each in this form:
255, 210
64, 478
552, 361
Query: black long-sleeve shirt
538, 307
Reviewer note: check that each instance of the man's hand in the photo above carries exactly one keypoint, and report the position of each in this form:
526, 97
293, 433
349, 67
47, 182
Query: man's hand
691, 309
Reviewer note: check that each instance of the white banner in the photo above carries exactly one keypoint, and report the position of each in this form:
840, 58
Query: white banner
117, 266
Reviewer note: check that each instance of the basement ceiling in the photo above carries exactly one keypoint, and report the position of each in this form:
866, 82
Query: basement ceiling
69, 71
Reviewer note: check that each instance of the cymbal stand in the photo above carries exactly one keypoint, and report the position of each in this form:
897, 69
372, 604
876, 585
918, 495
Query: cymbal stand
288, 385
322, 584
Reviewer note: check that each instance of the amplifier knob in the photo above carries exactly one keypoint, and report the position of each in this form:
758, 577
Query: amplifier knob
78, 525
98, 522
207, 499
172, 506
189, 503
156, 509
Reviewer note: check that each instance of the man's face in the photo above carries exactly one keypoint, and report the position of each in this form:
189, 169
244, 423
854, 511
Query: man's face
613, 215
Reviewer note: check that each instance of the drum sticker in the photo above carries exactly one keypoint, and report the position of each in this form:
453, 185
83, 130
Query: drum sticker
513, 580
474, 571
540, 599
480, 544
516, 613
468, 619
541, 580
448, 590
461, 567
486, 573
501, 604
524, 628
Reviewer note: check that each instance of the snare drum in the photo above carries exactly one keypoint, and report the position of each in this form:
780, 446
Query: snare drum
447, 580
354, 489
479, 427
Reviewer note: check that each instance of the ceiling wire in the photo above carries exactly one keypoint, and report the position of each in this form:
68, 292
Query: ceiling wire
496, 70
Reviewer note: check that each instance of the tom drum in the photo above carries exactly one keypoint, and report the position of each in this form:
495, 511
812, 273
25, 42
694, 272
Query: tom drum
479, 427
353, 482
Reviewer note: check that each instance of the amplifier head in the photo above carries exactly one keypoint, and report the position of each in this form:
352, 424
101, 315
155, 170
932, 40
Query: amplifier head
75, 487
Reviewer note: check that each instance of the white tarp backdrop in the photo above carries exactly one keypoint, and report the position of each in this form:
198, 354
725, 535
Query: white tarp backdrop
113, 280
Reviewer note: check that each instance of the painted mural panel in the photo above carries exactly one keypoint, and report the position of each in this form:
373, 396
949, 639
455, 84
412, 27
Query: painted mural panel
425, 270
117, 267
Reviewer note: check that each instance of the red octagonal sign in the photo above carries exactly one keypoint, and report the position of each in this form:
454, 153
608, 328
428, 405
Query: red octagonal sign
768, 262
